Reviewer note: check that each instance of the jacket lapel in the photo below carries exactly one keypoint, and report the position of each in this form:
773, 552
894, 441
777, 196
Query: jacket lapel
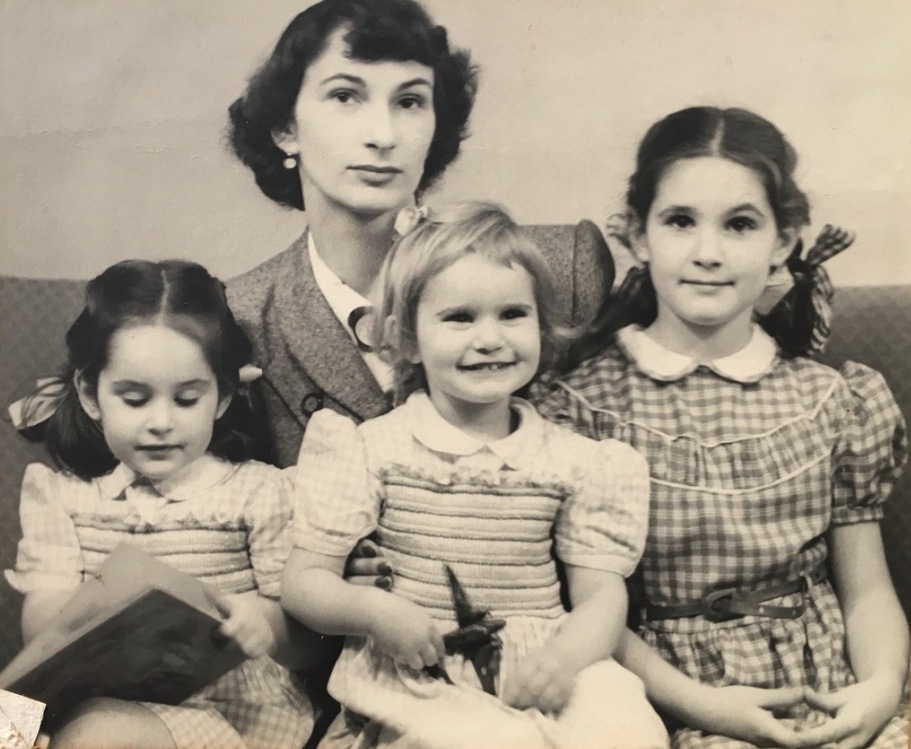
317, 343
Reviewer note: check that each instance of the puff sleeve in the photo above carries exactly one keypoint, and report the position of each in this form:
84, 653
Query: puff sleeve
49, 555
268, 512
871, 448
335, 501
603, 524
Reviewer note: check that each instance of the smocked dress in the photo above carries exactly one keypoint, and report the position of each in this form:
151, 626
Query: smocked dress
436, 496
226, 524
753, 458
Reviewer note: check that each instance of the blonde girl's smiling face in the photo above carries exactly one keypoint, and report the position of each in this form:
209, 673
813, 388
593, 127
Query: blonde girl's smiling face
478, 337
361, 130
710, 240
156, 400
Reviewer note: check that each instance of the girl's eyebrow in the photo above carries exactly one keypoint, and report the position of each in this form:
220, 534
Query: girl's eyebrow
745, 207
137, 385
675, 209
194, 383
127, 384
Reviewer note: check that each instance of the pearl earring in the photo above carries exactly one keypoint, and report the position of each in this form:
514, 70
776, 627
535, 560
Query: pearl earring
290, 162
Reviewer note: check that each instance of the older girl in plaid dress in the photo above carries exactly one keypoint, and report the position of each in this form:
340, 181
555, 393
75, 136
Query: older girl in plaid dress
147, 431
467, 476
763, 589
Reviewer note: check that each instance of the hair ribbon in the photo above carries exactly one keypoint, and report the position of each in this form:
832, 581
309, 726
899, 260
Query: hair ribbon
408, 219
812, 284
37, 407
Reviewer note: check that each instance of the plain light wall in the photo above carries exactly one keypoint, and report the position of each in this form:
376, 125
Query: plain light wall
112, 117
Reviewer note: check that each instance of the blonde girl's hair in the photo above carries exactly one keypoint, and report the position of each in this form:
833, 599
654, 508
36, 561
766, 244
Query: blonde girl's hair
435, 244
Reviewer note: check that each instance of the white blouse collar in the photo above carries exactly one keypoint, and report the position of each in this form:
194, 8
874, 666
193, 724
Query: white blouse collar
341, 297
198, 478
753, 362
437, 434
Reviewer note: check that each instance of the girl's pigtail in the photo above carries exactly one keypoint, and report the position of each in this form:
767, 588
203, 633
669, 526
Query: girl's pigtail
75, 441
30, 415
52, 414
800, 321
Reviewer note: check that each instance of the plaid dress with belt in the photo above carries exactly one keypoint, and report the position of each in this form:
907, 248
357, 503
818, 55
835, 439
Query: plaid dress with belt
752, 460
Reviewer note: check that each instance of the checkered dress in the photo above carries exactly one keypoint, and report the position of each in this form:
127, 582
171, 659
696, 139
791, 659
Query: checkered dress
234, 535
746, 480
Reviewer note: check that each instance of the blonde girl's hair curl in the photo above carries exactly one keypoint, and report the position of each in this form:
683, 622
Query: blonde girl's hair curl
436, 243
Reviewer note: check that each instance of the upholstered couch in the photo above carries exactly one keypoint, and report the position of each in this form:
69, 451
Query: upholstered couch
872, 325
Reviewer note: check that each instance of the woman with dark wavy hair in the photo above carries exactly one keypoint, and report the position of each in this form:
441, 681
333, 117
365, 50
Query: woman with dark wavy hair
361, 106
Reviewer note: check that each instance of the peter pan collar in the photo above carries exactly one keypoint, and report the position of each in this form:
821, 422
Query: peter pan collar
437, 434
198, 478
750, 364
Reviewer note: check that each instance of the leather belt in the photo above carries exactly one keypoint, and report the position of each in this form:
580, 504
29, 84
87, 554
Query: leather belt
732, 603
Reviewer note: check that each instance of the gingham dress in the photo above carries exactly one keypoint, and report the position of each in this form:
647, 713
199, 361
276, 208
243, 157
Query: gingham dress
226, 524
435, 495
752, 459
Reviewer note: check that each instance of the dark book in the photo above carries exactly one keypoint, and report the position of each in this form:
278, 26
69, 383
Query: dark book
141, 630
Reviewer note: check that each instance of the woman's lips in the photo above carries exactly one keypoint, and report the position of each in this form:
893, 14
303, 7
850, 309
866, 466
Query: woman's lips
375, 175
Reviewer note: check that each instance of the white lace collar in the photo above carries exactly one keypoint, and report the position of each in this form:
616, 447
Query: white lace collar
750, 364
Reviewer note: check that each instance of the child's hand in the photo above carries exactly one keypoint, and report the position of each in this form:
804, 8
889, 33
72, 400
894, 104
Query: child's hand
246, 624
543, 680
748, 713
860, 711
405, 631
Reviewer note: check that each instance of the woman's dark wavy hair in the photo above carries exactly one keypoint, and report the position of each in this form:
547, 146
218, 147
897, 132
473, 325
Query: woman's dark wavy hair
399, 30
178, 294
734, 134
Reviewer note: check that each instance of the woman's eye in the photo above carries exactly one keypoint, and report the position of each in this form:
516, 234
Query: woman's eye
458, 317
412, 101
186, 402
135, 401
741, 224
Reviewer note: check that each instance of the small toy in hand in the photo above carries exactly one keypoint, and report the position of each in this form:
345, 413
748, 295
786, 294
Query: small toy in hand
476, 638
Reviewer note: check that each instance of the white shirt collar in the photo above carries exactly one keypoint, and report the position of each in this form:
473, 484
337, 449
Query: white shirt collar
437, 434
341, 297
750, 364
199, 477
343, 300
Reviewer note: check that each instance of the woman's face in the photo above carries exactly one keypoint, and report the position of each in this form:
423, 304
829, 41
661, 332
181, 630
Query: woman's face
362, 131
710, 239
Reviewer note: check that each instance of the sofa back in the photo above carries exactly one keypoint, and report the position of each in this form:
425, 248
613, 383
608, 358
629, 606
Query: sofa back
872, 325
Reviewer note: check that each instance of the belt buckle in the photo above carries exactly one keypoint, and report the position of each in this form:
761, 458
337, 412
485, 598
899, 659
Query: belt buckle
713, 605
